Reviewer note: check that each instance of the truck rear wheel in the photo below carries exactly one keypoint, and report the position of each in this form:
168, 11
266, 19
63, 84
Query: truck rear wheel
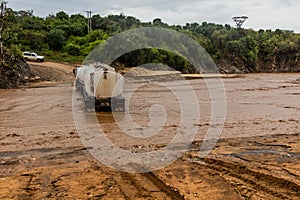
118, 104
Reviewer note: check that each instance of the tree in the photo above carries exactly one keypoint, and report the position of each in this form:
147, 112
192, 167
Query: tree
132, 22
157, 22
24, 13
78, 18
96, 22
32, 23
2, 23
56, 38
62, 15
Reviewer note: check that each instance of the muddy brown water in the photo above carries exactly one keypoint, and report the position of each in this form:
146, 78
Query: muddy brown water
257, 156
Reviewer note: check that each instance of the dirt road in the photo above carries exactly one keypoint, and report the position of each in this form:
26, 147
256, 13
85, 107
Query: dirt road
256, 157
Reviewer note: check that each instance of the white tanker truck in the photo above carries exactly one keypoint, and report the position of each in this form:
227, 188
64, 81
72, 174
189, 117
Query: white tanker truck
101, 87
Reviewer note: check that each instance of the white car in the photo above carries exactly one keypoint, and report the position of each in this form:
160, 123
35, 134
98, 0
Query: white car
31, 56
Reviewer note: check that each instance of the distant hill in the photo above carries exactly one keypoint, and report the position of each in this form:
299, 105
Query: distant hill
65, 37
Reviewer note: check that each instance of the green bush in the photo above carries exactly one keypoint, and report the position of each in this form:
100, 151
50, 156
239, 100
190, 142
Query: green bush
72, 49
56, 38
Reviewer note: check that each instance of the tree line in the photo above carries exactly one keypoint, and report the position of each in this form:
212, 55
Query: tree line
65, 37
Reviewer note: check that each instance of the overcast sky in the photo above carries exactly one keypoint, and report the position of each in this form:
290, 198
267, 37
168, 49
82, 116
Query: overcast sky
263, 14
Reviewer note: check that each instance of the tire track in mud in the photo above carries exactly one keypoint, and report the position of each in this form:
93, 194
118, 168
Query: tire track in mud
248, 181
146, 185
174, 194
130, 186
40, 183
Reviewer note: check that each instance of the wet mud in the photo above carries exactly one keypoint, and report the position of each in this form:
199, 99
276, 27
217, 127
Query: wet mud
257, 156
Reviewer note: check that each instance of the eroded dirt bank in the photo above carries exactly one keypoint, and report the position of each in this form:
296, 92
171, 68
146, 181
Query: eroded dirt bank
256, 157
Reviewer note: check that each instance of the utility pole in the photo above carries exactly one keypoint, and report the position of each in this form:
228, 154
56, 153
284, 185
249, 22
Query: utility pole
2, 21
89, 17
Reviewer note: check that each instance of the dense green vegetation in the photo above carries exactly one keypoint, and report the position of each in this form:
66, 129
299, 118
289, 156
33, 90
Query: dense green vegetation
64, 37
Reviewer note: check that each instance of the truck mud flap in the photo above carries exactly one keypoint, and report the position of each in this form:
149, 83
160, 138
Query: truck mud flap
116, 104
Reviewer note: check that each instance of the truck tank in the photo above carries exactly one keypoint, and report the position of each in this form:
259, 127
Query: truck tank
101, 87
